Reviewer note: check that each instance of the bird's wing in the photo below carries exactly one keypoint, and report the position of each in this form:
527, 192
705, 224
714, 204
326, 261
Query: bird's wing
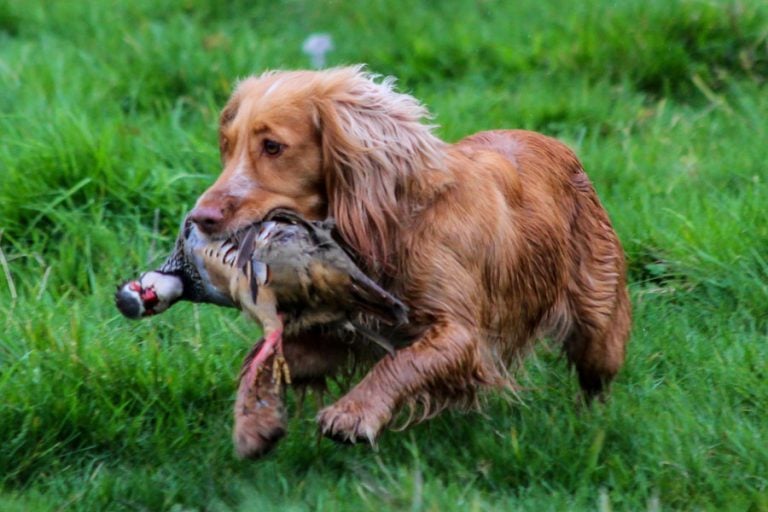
337, 278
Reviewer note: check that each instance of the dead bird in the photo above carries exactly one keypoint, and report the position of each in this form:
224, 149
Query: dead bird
285, 272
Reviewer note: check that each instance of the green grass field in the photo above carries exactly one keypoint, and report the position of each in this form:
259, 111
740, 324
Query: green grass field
108, 116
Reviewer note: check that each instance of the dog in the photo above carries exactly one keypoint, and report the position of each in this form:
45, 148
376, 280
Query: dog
493, 242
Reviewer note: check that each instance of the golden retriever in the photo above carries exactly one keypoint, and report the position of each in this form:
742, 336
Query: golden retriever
493, 242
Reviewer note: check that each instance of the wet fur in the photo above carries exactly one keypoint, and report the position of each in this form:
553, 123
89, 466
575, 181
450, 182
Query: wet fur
492, 242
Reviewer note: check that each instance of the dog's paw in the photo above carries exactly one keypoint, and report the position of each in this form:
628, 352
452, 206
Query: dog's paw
254, 436
259, 416
349, 421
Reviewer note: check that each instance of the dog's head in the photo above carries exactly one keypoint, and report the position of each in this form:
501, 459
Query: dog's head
323, 143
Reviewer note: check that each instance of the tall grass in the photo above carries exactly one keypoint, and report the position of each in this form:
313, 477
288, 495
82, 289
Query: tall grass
107, 120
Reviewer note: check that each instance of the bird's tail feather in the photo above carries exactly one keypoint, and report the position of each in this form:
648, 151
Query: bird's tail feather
376, 301
373, 336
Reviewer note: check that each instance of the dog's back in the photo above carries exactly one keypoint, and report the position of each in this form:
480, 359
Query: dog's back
570, 262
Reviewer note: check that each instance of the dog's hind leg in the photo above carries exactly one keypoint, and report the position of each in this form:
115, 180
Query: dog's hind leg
598, 301
596, 344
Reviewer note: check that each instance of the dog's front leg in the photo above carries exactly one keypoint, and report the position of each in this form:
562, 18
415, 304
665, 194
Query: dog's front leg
442, 364
259, 414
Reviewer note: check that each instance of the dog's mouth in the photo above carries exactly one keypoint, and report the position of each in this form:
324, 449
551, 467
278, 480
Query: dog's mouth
279, 214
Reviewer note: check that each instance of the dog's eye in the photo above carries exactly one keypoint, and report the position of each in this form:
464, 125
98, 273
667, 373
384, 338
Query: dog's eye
272, 148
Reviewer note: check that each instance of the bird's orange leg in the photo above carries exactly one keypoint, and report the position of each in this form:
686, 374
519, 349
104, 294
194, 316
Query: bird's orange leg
273, 344
271, 341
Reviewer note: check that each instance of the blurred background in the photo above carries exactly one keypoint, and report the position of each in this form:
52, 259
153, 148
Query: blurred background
108, 118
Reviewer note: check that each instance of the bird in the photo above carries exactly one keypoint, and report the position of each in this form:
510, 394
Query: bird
290, 274
285, 272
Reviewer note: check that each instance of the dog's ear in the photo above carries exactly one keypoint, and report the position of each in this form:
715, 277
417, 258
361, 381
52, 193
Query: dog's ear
375, 151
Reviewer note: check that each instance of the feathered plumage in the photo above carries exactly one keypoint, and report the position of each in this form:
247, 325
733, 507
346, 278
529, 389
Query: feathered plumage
296, 264
288, 274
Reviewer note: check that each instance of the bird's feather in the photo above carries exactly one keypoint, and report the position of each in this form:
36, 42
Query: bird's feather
254, 280
246, 248
375, 300
374, 336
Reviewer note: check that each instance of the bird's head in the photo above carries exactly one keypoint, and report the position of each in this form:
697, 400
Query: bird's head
152, 293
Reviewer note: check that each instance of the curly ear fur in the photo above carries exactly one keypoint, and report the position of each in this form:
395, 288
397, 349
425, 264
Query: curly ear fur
376, 153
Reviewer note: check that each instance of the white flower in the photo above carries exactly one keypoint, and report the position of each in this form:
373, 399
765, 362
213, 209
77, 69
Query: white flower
316, 46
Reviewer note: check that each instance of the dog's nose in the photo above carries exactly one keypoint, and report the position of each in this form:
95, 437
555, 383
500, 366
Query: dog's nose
208, 218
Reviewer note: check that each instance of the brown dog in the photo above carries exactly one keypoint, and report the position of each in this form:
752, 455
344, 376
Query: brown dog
492, 242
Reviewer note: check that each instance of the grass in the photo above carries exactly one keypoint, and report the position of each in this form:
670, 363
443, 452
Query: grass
107, 120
